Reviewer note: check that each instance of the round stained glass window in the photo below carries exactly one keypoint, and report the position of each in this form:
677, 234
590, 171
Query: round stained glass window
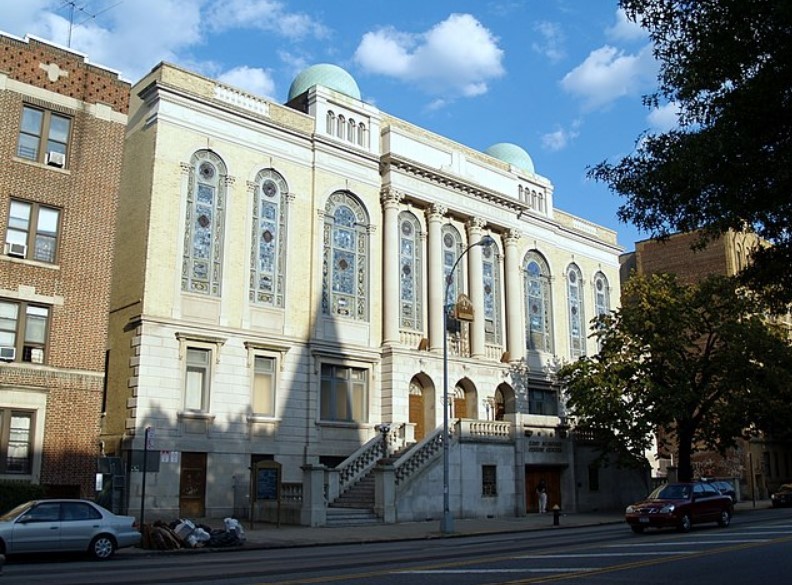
534, 308
406, 270
407, 228
267, 236
487, 289
269, 188
599, 285
574, 310
487, 251
206, 170
203, 221
343, 264
572, 277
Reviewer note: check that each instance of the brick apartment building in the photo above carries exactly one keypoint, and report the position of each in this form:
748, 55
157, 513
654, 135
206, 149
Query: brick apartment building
761, 464
62, 122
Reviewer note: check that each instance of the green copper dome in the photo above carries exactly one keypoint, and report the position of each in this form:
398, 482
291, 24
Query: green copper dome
512, 154
331, 76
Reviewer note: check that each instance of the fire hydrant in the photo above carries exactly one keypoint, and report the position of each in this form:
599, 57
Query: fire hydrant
556, 515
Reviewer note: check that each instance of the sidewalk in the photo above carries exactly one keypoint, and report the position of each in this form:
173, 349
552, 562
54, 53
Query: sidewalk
267, 536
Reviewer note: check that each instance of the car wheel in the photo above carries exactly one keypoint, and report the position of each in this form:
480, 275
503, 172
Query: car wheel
102, 547
685, 523
637, 529
725, 518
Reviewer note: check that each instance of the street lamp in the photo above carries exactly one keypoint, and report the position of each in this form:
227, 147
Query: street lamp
447, 523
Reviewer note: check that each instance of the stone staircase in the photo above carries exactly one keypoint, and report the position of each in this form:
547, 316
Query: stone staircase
355, 507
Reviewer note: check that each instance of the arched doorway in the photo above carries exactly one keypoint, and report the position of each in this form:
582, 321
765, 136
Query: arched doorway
505, 401
464, 400
421, 405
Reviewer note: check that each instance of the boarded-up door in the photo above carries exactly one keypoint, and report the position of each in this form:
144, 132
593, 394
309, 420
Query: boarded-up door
552, 477
417, 415
192, 485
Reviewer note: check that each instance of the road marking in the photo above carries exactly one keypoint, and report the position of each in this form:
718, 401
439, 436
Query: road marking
486, 571
602, 555
690, 542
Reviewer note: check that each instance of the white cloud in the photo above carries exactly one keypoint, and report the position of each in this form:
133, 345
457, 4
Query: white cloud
456, 57
609, 73
551, 43
265, 15
625, 30
560, 138
252, 79
665, 117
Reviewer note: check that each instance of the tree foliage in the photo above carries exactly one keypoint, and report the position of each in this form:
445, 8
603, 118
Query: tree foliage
697, 362
727, 65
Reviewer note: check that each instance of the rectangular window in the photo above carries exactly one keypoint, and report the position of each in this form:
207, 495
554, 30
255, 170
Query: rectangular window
264, 385
489, 480
542, 401
196, 382
23, 332
32, 231
44, 136
16, 436
344, 394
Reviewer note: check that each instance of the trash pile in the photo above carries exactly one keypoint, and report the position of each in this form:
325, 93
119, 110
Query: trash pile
184, 533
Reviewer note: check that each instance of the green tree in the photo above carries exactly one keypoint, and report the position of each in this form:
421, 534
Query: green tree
697, 362
727, 65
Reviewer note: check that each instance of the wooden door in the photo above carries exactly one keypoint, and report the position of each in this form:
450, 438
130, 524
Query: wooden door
192, 485
417, 415
460, 407
552, 478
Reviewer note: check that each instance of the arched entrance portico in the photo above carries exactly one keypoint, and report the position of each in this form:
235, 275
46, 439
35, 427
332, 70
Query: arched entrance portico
505, 402
465, 400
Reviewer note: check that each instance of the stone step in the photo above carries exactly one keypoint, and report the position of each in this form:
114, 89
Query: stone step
340, 517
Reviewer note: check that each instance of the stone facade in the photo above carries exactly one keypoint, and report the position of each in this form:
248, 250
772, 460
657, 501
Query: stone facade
58, 198
338, 294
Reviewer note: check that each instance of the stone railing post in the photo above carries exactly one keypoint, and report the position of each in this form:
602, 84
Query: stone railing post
314, 506
385, 493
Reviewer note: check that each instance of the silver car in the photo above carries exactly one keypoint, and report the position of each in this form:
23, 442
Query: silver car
65, 525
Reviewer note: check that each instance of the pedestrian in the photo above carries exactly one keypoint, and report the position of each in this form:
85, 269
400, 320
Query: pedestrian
541, 492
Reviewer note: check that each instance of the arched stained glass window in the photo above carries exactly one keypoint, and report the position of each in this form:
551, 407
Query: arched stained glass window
268, 255
202, 262
601, 294
577, 321
345, 265
410, 272
492, 310
539, 317
452, 248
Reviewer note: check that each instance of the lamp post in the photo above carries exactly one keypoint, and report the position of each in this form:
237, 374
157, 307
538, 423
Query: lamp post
447, 522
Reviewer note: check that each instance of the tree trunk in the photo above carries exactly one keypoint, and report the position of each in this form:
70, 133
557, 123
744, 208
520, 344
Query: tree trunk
684, 453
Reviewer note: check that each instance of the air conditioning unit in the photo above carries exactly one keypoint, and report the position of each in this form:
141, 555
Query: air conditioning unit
56, 159
18, 250
7, 353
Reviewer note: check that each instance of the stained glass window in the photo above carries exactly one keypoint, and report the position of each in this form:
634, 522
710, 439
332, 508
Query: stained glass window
410, 271
577, 321
491, 274
268, 257
452, 248
601, 294
345, 264
539, 319
203, 234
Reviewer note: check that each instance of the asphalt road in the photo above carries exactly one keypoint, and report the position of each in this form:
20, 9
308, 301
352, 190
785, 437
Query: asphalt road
755, 549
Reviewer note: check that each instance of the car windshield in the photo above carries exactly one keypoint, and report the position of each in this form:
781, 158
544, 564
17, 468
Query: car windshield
13, 513
787, 487
671, 492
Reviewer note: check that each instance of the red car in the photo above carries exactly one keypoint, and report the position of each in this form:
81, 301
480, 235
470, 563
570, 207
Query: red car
680, 505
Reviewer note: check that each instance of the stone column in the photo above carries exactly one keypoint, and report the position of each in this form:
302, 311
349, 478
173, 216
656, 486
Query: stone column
435, 275
476, 288
515, 321
390, 266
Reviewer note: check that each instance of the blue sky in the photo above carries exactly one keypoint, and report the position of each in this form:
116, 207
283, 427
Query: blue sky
561, 78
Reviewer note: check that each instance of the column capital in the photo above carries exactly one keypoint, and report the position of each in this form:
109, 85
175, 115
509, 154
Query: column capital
511, 237
475, 224
390, 197
435, 212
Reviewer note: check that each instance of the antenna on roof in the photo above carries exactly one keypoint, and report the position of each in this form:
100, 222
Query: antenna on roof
72, 4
